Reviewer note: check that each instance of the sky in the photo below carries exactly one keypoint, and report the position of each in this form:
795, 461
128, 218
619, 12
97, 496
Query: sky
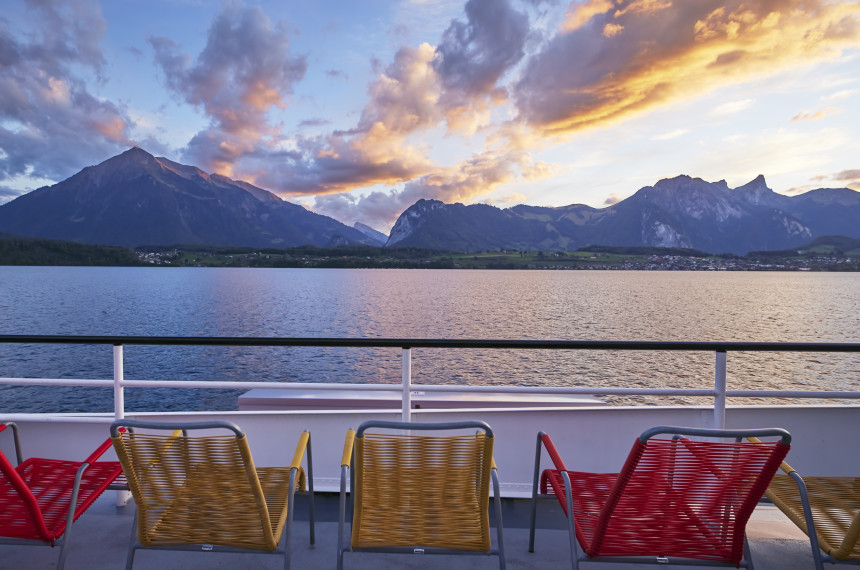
357, 109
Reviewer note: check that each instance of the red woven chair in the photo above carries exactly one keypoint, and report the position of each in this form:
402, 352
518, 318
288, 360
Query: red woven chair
36, 496
674, 498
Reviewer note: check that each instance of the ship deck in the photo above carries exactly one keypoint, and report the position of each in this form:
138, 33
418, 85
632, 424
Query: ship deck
101, 538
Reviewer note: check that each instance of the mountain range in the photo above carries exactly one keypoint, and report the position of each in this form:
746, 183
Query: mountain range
135, 199
680, 212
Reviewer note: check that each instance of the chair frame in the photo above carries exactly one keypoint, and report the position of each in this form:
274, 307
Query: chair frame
73, 512
348, 464
819, 556
284, 542
577, 554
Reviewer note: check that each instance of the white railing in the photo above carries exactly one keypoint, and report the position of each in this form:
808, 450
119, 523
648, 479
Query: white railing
719, 393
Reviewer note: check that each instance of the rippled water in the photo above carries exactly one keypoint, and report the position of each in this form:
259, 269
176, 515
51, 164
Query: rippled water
592, 305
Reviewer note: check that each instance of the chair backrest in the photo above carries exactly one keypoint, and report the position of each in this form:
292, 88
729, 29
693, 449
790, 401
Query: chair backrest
20, 514
193, 490
835, 508
428, 490
35, 495
687, 498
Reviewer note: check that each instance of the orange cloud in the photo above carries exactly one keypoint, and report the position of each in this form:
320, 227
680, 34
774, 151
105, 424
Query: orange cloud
642, 7
580, 13
586, 77
851, 175
467, 181
816, 115
848, 178
610, 30
405, 97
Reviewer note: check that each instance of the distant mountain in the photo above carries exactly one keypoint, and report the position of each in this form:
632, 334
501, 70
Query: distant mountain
838, 246
680, 212
378, 237
136, 199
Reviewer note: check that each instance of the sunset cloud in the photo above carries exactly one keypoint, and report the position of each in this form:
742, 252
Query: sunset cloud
669, 52
50, 122
244, 71
849, 178
335, 163
731, 107
474, 55
844, 179
405, 98
423, 88
848, 175
813, 116
612, 199
463, 182
581, 13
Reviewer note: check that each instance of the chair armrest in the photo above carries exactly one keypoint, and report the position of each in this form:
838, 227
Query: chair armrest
302, 445
551, 450
18, 456
347, 448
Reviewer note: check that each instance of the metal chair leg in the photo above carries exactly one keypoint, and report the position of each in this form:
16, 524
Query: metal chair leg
132, 543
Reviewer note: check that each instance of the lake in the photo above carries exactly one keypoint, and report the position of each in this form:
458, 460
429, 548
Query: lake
460, 304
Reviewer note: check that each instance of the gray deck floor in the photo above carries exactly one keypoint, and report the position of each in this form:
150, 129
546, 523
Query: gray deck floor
100, 541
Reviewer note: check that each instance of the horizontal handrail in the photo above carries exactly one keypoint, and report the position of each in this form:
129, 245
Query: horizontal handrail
588, 390
711, 346
719, 393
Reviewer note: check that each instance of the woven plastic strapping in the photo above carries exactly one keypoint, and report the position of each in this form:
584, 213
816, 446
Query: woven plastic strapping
203, 490
835, 503
422, 491
34, 497
676, 498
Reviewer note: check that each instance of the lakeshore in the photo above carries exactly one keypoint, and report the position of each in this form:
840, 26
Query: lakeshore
825, 254
597, 258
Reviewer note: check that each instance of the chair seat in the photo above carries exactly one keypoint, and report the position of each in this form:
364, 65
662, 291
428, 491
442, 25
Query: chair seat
426, 508
835, 503
51, 481
200, 513
673, 498
193, 490
36, 494
425, 492
650, 516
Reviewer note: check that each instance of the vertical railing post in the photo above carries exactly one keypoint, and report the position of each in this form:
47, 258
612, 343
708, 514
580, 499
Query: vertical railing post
118, 395
122, 497
720, 391
407, 384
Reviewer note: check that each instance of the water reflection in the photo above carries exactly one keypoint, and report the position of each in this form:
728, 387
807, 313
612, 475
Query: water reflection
589, 305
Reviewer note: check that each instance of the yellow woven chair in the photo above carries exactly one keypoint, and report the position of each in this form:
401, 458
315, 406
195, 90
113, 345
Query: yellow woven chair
827, 509
204, 493
423, 494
